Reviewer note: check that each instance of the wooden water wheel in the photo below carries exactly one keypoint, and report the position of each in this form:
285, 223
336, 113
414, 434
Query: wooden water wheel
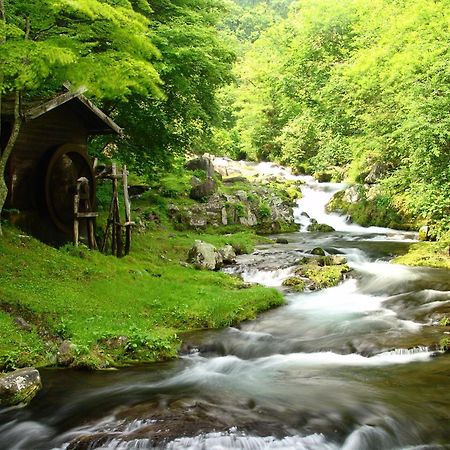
67, 165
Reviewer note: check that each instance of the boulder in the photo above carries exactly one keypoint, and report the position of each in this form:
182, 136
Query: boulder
201, 163
224, 216
337, 260
241, 195
323, 177
237, 179
296, 283
19, 387
317, 251
322, 261
249, 220
205, 256
321, 227
424, 233
203, 190
378, 171
66, 354
352, 195
228, 254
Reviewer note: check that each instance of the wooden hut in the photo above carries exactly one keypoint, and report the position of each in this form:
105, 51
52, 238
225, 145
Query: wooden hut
49, 156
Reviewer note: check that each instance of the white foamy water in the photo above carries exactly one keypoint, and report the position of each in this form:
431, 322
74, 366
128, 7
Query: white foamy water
237, 441
344, 298
272, 278
313, 203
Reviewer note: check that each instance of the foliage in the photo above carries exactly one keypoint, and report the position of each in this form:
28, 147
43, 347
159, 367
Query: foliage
196, 61
354, 83
103, 45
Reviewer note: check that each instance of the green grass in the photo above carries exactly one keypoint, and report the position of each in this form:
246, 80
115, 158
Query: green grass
18, 349
92, 299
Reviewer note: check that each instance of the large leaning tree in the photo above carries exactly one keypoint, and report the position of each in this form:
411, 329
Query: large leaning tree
103, 45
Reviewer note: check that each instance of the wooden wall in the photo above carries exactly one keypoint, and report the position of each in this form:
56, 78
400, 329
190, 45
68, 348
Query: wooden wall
38, 139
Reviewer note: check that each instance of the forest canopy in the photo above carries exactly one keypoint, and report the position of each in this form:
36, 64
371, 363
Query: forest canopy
349, 85
313, 84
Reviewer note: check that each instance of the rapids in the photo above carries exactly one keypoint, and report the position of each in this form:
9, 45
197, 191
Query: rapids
354, 367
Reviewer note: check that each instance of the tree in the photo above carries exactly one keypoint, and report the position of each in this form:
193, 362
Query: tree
196, 61
105, 46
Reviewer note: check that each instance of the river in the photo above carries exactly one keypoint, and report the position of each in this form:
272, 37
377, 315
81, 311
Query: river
354, 367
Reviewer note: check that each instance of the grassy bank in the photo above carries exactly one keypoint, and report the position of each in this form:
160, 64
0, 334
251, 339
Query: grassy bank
430, 254
111, 311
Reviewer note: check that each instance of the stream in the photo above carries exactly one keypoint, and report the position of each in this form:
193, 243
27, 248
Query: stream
353, 367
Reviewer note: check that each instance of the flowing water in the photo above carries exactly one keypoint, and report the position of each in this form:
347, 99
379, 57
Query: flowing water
352, 367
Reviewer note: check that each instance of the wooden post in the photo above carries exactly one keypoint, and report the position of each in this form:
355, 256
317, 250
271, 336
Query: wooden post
115, 208
83, 213
76, 223
128, 223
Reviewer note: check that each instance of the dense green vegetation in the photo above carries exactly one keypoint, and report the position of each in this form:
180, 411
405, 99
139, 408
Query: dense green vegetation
352, 84
324, 86
114, 311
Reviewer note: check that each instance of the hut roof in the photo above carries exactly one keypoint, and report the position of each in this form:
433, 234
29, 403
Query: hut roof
97, 122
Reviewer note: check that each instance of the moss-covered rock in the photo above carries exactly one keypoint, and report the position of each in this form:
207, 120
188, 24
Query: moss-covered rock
322, 276
296, 283
19, 387
318, 251
430, 254
320, 227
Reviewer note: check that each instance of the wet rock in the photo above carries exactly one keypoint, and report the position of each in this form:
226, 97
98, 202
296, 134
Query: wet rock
296, 283
321, 277
228, 254
319, 251
323, 177
337, 260
66, 354
237, 179
205, 256
281, 240
201, 163
331, 260
19, 387
320, 227
352, 195
203, 190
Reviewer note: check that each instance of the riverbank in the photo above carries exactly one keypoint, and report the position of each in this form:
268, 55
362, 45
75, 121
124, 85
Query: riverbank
79, 308
72, 307
427, 254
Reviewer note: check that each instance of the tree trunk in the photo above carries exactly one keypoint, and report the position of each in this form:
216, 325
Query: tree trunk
7, 153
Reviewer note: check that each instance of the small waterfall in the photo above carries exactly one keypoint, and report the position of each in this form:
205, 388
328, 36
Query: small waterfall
272, 278
236, 441
313, 204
